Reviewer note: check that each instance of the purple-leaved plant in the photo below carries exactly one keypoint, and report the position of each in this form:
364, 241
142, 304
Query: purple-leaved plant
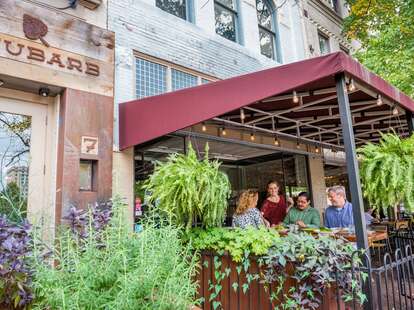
15, 273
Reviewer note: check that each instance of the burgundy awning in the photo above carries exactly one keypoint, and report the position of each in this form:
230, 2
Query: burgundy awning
152, 117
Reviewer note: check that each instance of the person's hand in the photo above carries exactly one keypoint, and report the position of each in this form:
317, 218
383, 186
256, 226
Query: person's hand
290, 202
266, 222
301, 224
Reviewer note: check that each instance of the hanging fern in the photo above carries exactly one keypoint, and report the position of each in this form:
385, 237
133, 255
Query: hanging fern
186, 188
387, 171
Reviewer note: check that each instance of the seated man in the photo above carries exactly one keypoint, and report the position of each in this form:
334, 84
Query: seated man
303, 214
339, 214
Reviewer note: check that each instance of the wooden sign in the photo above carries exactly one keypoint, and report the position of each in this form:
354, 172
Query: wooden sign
89, 145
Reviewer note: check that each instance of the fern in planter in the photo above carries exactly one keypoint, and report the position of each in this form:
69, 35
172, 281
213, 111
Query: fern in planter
185, 188
387, 171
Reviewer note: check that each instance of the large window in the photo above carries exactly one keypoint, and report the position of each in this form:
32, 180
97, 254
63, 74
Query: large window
226, 18
324, 43
179, 8
267, 33
155, 77
151, 78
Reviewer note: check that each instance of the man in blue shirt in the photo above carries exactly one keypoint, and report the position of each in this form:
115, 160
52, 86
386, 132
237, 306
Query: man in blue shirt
339, 214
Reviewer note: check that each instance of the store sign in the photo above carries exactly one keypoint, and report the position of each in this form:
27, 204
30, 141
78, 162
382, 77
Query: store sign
89, 145
56, 59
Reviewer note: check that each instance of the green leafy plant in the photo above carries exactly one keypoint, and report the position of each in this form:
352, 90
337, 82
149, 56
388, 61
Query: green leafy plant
117, 269
186, 189
387, 171
313, 263
235, 241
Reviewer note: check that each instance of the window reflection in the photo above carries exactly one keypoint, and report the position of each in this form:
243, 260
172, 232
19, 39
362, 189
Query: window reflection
225, 19
15, 136
266, 28
175, 7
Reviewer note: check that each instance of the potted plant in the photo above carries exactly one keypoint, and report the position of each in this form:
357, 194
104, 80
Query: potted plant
387, 171
185, 188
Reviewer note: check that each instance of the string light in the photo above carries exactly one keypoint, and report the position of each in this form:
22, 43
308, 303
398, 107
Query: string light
395, 111
295, 97
351, 86
379, 100
317, 150
276, 141
223, 131
242, 115
252, 137
204, 127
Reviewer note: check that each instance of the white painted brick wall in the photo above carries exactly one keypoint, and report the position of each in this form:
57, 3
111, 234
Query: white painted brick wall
139, 25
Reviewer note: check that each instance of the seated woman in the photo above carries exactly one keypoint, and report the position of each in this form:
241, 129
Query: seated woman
246, 212
303, 214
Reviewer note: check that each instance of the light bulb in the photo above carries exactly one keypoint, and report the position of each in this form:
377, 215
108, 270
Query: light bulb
379, 100
242, 115
317, 150
276, 142
295, 97
297, 145
223, 131
204, 127
351, 86
395, 111
252, 137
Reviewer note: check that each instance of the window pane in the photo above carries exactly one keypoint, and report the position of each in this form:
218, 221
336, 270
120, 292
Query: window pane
323, 44
181, 79
225, 22
264, 14
267, 44
175, 7
85, 176
15, 143
150, 78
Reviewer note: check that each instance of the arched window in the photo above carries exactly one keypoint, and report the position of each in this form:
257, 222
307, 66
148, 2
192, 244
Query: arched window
267, 29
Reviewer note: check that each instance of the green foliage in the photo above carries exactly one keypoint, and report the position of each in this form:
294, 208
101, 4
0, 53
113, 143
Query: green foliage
185, 189
311, 262
385, 29
118, 270
12, 203
236, 241
387, 171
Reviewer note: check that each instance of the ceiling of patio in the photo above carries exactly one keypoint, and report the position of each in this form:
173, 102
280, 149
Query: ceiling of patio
314, 115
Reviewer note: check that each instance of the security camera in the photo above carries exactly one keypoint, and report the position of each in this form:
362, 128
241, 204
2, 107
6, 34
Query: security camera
44, 91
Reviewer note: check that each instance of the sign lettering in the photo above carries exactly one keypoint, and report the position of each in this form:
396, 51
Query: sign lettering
53, 59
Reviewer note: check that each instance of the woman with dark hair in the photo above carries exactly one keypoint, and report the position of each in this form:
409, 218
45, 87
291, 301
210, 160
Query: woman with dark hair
274, 208
303, 214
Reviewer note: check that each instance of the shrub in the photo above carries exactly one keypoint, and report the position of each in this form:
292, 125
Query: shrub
185, 189
117, 269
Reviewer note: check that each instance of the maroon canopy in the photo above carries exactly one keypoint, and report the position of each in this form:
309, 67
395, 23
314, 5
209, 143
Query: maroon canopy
152, 117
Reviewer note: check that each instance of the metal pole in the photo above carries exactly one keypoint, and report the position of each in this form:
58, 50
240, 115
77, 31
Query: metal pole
353, 175
410, 121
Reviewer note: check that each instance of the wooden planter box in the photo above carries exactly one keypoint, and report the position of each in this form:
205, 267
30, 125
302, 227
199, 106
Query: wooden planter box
255, 298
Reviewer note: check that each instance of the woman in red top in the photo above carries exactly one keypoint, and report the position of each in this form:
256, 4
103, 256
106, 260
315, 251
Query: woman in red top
274, 208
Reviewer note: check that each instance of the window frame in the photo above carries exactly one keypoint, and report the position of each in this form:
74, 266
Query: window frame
326, 37
233, 11
275, 33
168, 75
189, 11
